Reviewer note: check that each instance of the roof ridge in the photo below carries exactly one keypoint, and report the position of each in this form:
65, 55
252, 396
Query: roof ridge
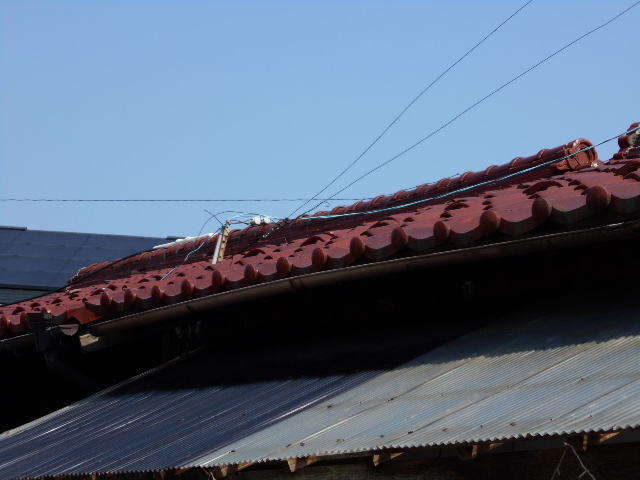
581, 151
542, 191
629, 144
242, 239
469, 179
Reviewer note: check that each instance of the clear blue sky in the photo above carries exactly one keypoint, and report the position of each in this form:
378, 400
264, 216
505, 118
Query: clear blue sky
246, 99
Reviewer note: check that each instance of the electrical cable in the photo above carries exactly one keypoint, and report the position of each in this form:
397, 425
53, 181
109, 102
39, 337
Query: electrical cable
469, 187
120, 260
482, 100
194, 250
327, 217
219, 232
211, 215
172, 200
405, 109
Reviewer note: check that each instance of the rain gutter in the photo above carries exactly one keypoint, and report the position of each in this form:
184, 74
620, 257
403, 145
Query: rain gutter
616, 231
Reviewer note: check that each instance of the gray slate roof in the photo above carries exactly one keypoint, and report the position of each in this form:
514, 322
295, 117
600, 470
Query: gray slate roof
539, 372
38, 261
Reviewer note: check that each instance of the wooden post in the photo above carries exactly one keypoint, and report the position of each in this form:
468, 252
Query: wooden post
221, 246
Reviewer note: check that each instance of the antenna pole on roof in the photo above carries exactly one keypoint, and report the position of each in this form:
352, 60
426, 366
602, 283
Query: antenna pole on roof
221, 246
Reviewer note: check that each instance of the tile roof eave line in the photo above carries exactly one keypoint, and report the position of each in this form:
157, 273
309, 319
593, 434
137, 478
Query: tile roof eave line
623, 229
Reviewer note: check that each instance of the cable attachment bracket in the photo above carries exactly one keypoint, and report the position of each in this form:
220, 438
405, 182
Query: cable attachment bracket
221, 245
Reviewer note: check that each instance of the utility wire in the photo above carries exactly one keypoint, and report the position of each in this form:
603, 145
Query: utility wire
404, 111
469, 187
423, 139
120, 260
218, 232
325, 217
172, 199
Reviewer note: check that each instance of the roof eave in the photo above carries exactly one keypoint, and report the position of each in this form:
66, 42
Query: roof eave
603, 233
617, 231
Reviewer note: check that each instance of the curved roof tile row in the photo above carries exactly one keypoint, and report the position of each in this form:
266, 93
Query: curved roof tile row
562, 193
242, 239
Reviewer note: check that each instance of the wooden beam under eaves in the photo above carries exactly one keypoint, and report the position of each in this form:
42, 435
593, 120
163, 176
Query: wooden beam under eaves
298, 463
469, 452
599, 438
224, 470
582, 442
579, 442
379, 458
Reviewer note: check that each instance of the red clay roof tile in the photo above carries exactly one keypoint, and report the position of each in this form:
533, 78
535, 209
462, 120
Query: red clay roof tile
561, 190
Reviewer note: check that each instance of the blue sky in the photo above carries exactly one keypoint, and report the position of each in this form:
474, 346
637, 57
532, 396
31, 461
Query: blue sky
255, 100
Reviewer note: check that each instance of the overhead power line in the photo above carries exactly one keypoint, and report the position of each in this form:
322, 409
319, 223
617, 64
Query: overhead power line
416, 98
423, 139
469, 187
173, 199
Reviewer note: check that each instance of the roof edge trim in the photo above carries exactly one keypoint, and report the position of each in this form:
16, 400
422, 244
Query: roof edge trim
625, 229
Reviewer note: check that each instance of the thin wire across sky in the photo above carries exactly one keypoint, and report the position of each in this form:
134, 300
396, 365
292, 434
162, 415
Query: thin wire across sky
486, 97
404, 110
367, 149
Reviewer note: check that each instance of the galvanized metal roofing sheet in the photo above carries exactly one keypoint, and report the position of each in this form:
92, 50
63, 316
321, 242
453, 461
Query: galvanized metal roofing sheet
158, 421
552, 374
543, 373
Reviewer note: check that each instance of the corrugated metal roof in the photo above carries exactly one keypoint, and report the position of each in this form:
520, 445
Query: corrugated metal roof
548, 374
159, 420
545, 373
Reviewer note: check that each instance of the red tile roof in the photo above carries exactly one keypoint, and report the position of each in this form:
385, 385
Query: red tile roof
563, 185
